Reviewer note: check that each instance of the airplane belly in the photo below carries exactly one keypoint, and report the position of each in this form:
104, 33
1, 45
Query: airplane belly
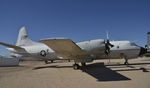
129, 53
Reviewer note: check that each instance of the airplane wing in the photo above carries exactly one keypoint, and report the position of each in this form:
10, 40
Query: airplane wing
65, 48
10, 46
19, 50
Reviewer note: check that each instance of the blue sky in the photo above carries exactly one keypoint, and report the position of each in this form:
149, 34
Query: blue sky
78, 20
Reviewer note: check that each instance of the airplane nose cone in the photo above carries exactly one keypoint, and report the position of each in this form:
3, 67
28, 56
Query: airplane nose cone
142, 51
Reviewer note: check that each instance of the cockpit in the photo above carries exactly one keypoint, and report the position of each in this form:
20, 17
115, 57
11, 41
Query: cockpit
133, 44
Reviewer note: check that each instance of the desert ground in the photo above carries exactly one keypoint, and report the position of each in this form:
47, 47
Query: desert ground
60, 74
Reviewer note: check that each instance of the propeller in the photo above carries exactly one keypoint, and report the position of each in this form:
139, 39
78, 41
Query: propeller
107, 45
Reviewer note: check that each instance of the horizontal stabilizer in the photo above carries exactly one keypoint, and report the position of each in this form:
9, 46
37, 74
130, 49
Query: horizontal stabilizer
65, 48
10, 46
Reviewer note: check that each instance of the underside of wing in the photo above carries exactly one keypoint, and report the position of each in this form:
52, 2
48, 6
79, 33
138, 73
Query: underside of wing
65, 48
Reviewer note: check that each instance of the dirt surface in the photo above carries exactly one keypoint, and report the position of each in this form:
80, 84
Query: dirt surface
36, 74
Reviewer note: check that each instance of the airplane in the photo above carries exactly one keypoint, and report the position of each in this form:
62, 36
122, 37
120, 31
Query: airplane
147, 46
66, 49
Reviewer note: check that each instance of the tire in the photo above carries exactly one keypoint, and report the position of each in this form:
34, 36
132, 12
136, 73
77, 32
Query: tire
83, 64
75, 66
46, 62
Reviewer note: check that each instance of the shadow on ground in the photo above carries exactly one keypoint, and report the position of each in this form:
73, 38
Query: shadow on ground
103, 72
130, 64
53, 66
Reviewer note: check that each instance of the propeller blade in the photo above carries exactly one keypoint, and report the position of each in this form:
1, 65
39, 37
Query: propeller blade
107, 44
107, 35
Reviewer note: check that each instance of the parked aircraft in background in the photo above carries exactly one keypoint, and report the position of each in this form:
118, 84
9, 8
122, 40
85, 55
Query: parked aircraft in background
66, 49
147, 46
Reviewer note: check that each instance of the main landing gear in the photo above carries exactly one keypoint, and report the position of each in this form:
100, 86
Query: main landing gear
83, 64
52, 61
46, 61
76, 66
122, 55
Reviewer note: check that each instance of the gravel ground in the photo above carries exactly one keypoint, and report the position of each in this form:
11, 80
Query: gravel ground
60, 74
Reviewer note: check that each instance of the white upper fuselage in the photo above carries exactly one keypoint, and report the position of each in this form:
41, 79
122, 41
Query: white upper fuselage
126, 48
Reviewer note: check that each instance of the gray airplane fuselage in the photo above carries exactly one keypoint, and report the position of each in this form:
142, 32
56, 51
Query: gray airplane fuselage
95, 48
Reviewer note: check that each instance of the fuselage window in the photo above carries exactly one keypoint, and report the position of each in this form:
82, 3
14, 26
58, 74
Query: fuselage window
117, 46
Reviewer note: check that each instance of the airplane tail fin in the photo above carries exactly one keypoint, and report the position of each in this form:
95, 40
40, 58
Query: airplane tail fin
23, 39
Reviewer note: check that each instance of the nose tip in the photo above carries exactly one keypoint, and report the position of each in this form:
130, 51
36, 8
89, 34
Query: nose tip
142, 51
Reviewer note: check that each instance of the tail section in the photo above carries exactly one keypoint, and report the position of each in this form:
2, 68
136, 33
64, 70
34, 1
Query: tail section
23, 39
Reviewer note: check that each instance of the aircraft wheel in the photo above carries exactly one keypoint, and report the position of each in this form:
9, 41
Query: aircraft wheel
46, 62
76, 66
126, 63
52, 61
83, 64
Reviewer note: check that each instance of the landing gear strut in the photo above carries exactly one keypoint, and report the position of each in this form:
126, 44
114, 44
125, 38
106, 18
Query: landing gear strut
46, 62
76, 66
83, 64
52, 61
126, 61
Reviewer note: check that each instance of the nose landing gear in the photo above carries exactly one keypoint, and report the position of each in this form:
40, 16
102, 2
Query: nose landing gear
126, 61
122, 55
76, 66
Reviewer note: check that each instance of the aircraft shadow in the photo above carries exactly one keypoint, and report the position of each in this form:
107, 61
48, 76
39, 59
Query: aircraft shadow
53, 66
129, 64
142, 69
102, 73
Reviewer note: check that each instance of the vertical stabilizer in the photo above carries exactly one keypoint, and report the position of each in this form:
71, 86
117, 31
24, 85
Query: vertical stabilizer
23, 39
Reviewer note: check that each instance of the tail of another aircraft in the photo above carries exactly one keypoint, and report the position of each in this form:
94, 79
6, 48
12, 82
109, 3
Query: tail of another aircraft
23, 39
